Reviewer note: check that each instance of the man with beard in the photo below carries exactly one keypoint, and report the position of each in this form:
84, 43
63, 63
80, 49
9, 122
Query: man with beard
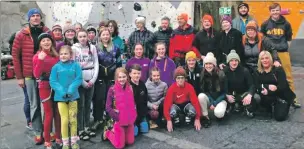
163, 34
241, 21
181, 41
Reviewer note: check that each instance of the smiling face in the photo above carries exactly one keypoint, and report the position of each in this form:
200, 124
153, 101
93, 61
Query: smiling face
138, 51
139, 25
105, 36
180, 80
265, 60
57, 32
135, 75
226, 25
91, 35
181, 21
35, 19
164, 24
209, 67
275, 13
46, 44
77, 27
191, 62
122, 78
251, 33
243, 10
233, 64
82, 38
64, 55
206, 24
161, 50
111, 28
70, 34
155, 76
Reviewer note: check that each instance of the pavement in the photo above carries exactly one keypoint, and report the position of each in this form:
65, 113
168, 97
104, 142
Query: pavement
235, 132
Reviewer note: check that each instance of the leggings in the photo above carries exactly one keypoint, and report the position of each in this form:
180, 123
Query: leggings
68, 113
121, 135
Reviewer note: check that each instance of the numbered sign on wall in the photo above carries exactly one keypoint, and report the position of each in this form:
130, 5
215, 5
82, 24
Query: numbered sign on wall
225, 10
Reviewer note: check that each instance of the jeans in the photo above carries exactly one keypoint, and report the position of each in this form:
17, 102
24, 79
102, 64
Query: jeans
84, 107
35, 110
26, 106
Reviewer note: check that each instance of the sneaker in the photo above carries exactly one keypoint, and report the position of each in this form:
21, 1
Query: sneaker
29, 126
38, 140
96, 125
58, 143
296, 104
176, 120
153, 125
75, 146
84, 136
90, 133
103, 135
187, 119
48, 145
249, 114
206, 122
52, 136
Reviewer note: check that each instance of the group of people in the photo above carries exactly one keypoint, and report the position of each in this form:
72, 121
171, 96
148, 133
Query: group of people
171, 77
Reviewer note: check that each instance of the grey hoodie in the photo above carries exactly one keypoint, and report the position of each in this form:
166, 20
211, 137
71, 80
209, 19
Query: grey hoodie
88, 62
156, 92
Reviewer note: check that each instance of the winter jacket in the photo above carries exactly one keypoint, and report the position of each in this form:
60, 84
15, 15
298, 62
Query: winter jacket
161, 36
65, 78
121, 99
252, 51
279, 32
180, 95
229, 41
42, 68
119, 43
181, 42
193, 77
141, 37
239, 24
59, 44
239, 81
156, 92
24, 50
141, 100
206, 41
88, 60
214, 85
275, 77
144, 63
108, 62
167, 68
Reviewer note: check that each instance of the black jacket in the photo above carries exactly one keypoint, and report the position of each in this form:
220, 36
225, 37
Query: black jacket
279, 32
141, 100
229, 41
161, 36
276, 77
194, 78
239, 81
206, 41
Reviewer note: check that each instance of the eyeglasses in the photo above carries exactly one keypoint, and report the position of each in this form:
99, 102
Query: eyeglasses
180, 78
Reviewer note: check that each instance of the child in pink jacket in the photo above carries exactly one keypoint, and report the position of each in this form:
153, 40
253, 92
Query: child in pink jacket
121, 107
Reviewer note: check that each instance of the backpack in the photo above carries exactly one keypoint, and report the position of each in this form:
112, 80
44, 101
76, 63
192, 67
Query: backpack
11, 41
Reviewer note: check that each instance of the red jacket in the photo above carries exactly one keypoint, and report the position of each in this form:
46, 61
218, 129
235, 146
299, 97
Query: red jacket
23, 52
181, 42
180, 95
42, 68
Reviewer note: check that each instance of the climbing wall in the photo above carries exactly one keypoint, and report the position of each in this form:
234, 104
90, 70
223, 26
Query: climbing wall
123, 12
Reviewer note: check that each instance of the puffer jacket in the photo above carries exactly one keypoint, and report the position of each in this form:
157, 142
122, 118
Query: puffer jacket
156, 92
161, 36
23, 52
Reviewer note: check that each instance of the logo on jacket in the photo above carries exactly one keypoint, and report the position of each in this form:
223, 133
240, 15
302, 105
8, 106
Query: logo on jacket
142, 93
276, 31
145, 65
179, 96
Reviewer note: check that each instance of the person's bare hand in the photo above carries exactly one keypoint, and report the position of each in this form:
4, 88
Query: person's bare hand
169, 126
41, 55
222, 66
212, 107
247, 100
264, 91
21, 82
272, 87
277, 64
197, 124
231, 98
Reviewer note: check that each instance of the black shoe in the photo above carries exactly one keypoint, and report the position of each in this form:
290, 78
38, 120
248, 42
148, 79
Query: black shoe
249, 114
206, 122
296, 105
84, 136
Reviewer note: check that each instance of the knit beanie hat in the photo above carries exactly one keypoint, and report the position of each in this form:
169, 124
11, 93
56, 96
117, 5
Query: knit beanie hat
233, 55
91, 28
208, 17
45, 35
68, 26
33, 11
226, 18
252, 25
209, 58
140, 20
56, 26
243, 4
190, 54
184, 16
179, 71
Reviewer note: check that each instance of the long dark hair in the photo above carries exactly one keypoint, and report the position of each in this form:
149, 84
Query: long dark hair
88, 44
114, 24
67, 42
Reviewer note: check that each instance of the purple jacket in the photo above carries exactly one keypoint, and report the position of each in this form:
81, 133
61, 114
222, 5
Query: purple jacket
167, 68
59, 44
144, 63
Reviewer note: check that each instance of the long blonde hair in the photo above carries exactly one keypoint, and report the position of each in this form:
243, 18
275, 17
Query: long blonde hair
122, 70
110, 43
260, 66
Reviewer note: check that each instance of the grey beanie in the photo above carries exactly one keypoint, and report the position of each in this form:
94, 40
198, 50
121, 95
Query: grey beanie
233, 55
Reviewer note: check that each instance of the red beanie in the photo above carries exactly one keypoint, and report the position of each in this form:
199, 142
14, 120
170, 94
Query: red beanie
208, 17
184, 16
179, 71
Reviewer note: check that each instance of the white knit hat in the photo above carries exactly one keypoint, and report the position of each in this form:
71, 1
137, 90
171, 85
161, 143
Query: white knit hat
209, 59
140, 20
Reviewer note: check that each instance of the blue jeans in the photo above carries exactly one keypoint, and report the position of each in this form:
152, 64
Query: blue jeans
26, 106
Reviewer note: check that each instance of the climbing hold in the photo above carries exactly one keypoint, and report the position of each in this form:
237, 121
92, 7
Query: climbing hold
137, 7
73, 4
119, 6
103, 4
153, 24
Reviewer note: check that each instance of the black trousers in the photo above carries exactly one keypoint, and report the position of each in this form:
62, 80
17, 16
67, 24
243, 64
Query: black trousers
278, 106
238, 100
100, 97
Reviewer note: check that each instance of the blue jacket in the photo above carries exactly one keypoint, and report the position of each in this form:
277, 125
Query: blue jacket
65, 78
